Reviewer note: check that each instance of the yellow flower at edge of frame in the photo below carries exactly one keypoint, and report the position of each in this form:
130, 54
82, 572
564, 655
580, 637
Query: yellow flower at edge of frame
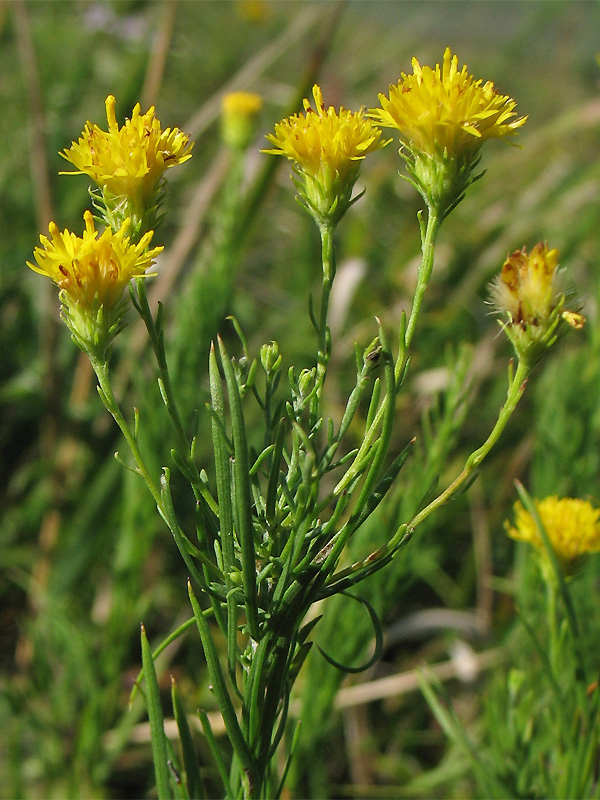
446, 111
93, 270
572, 525
324, 139
128, 161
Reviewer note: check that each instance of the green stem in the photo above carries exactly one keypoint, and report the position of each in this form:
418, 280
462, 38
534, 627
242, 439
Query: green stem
183, 449
553, 624
428, 238
160, 492
324, 340
515, 390
159, 351
108, 398
434, 220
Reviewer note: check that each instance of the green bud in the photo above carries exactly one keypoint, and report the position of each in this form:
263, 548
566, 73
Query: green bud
270, 357
306, 382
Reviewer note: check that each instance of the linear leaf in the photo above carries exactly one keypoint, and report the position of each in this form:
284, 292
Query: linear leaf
194, 786
155, 715
243, 494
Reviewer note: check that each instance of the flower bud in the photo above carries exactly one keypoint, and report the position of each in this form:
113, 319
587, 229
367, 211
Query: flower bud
306, 382
270, 357
238, 118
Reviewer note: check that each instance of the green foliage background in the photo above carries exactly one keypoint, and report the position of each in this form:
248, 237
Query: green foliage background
84, 558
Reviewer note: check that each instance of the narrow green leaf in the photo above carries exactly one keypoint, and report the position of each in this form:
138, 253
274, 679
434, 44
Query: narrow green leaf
343, 460
298, 660
362, 381
182, 466
175, 771
232, 645
275, 472
373, 403
240, 333
347, 578
254, 690
155, 715
306, 629
194, 786
260, 458
384, 484
429, 493
216, 752
284, 775
163, 392
221, 458
466, 485
243, 494
162, 646
311, 313
168, 514
220, 689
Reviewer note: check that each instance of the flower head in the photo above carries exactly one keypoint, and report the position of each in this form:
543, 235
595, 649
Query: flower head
444, 109
572, 525
239, 112
444, 116
92, 273
528, 290
128, 163
327, 147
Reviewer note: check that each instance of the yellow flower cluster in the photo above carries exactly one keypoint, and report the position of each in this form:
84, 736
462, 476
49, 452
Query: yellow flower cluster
128, 161
572, 525
327, 146
93, 270
446, 111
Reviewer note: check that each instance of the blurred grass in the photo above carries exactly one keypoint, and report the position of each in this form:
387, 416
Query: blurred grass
84, 558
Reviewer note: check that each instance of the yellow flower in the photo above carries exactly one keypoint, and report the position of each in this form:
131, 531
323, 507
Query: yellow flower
444, 109
128, 163
327, 147
246, 103
572, 525
92, 273
529, 291
444, 115
93, 269
239, 112
325, 140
